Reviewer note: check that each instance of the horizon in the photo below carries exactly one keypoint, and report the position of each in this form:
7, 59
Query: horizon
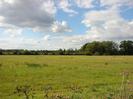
117, 42
63, 24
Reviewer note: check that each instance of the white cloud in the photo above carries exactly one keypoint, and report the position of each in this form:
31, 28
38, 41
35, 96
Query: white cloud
8, 1
60, 27
49, 6
22, 43
107, 25
13, 32
28, 13
65, 5
46, 37
1, 19
84, 3
116, 2
111, 30
100, 17
38, 15
21, 13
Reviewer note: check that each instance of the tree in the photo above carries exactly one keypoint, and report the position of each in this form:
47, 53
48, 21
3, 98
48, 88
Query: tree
69, 52
60, 52
100, 48
110, 48
93, 48
126, 47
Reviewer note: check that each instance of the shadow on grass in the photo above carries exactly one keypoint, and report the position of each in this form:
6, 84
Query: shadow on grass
34, 65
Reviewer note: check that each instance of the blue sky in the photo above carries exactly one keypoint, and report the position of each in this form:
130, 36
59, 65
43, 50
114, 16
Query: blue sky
54, 24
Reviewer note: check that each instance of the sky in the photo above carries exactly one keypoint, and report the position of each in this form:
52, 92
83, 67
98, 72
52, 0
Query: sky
55, 24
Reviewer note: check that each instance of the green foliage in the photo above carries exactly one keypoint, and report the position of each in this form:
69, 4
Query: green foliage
126, 47
100, 48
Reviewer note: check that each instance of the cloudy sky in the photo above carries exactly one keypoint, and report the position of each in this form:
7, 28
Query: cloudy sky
54, 24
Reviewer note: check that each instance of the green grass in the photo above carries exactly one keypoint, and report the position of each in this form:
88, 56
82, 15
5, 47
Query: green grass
71, 77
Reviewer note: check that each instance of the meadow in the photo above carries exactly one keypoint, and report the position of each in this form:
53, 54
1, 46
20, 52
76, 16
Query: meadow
64, 77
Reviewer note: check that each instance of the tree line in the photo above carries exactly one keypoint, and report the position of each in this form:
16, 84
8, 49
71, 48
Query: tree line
92, 48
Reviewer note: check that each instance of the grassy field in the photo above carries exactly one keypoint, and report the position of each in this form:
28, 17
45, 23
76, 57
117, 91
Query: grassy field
62, 77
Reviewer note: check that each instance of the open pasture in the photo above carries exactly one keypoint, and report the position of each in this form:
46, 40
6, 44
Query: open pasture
63, 77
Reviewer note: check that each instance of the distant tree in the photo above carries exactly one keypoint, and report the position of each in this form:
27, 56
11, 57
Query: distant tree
69, 52
0, 51
110, 48
27, 52
60, 52
100, 48
126, 47
93, 48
